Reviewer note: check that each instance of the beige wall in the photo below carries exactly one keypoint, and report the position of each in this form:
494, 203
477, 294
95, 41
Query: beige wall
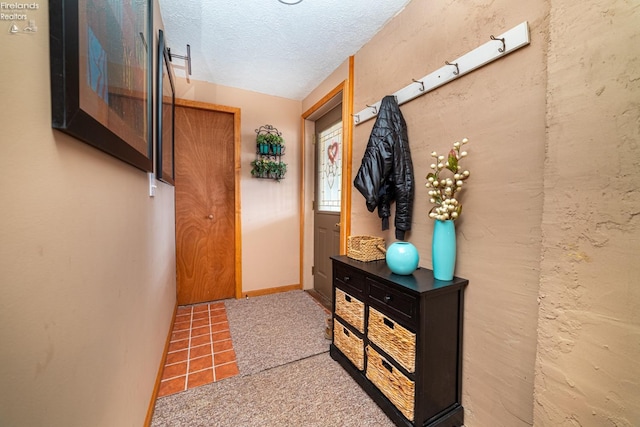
587, 370
270, 211
87, 264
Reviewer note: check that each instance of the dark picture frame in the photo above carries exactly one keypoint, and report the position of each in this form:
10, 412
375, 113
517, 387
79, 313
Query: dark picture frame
101, 79
165, 115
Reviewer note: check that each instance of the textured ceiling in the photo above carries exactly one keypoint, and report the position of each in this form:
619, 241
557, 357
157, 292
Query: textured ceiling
267, 46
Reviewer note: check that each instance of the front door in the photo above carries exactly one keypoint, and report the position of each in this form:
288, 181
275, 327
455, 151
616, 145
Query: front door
328, 183
205, 203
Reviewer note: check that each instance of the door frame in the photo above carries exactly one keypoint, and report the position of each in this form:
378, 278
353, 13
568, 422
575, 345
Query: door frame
344, 90
237, 138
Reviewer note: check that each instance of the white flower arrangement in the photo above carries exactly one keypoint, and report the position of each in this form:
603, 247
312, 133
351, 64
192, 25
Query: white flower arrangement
443, 190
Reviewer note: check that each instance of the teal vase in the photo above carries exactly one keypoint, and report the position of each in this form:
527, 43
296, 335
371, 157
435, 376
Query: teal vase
443, 250
402, 258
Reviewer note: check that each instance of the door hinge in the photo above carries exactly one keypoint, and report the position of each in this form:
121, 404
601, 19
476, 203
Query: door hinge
313, 205
313, 270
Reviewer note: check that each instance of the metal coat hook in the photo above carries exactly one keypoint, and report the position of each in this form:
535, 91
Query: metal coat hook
187, 58
455, 64
421, 84
375, 109
500, 49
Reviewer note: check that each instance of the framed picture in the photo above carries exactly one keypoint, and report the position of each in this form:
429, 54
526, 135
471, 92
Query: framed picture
165, 111
101, 85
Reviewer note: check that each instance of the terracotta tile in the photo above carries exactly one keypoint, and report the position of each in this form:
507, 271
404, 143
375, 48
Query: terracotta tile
218, 327
219, 346
201, 330
200, 322
226, 371
194, 324
201, 315
181, 326
182, 318
218, 318
200, 340
199, 308
219, 336
180, 335
183, 310
172, 386
175, 370
200, 363
202, 350
177, 356
200, 378
178, 345
224, 357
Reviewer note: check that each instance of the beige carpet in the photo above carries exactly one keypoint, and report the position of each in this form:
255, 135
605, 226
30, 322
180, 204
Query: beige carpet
313, 392
287, 377
273, 330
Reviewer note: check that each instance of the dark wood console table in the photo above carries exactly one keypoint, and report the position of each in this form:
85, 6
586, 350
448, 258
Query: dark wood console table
400, 338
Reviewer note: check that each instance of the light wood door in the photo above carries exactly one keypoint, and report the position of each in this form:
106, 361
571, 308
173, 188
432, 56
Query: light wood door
205, 204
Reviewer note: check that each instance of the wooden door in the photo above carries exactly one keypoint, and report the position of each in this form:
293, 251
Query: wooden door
205, 203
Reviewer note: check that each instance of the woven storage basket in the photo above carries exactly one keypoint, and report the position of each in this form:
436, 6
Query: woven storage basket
349, 344
399, 389
394, 339
350, 309
365, 248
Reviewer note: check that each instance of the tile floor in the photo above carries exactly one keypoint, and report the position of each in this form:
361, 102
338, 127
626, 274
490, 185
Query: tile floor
200, 351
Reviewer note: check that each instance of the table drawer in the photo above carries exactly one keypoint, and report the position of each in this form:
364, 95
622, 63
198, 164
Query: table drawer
349, 277
395, 340
349, 344
394, 302
350, 309
399, 389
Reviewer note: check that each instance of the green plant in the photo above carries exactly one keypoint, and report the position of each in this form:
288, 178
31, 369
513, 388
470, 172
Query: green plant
269, 138
259, 167
281, 170
443, 190
274, 139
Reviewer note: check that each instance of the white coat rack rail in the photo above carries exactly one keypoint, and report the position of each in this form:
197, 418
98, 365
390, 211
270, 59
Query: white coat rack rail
495, 48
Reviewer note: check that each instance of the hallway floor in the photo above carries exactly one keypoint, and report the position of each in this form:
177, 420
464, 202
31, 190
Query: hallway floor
200, 351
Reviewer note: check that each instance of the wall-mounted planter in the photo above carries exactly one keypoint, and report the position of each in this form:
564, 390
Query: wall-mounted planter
269, 151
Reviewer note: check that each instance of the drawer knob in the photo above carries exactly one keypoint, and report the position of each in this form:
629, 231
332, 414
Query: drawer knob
347, 278
387, 298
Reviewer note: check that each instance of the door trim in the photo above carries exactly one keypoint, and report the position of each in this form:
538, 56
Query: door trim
237, 137
344, 89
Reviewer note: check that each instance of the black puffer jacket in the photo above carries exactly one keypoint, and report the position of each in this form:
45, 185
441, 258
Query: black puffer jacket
386, 172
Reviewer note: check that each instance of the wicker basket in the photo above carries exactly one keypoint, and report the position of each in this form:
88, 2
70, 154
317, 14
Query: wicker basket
399, 389
350, 309
349, 344
395, 340
365, 248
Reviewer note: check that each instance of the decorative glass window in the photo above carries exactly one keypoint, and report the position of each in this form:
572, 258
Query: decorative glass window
330, 169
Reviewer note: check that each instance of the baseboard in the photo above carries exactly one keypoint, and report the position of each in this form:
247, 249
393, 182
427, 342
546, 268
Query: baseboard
163, 359
269, 291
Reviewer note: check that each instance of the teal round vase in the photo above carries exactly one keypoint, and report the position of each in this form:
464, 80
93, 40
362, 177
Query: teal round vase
402, 258
443, 250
